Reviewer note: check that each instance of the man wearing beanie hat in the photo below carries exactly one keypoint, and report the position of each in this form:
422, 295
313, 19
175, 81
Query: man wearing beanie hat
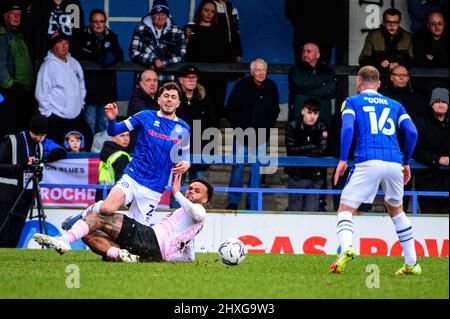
16, 154
160, 6
17, 76
157, 42
432, 149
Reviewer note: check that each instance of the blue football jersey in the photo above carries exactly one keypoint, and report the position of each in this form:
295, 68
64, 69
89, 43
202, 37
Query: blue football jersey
161, 143
376, 121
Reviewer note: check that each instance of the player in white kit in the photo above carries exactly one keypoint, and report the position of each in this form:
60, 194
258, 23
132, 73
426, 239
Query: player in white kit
125, 239
379, 159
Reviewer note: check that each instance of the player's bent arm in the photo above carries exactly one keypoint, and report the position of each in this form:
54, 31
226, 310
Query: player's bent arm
411, 135
197, 214
348, 121
115, 128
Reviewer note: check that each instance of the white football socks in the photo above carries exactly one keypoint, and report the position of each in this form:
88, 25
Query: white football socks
345, 229
406, 236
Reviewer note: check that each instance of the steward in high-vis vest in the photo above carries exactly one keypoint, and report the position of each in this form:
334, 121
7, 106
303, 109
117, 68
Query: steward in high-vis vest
16, 154
113, 161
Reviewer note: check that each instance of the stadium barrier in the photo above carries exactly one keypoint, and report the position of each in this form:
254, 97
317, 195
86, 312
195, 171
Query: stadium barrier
340, 70
257, 202
289, 233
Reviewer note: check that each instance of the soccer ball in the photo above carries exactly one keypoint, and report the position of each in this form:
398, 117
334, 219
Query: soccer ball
232, 251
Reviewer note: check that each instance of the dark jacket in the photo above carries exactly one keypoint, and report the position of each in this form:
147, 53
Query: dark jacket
251, 106
198, 108
306, 25
432, 143
413, 103
100, 85
230, 28
380, 46
424, 44
305, 140
8, 170
140, 101
306, 82
206, 44
17, 69
52, 151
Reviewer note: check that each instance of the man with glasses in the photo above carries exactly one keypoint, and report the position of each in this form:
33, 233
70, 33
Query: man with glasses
431, 51
399, 89
195, 105
389, 45
431, 43
98, 44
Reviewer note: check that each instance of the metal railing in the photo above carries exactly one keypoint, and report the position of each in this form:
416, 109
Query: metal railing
257, 203
341, 70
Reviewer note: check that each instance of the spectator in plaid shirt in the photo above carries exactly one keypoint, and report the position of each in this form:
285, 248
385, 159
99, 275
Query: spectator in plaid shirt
157, 42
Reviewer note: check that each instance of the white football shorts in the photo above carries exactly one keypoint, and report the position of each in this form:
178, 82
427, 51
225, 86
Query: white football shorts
362, 186
143, 200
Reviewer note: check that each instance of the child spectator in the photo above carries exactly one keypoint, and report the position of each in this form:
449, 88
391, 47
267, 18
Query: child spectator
74, 142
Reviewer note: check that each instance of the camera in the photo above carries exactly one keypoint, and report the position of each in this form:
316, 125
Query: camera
37, 166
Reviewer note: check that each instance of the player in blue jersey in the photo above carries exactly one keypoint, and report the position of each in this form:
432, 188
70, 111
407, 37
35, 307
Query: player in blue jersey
374, 120
162, 149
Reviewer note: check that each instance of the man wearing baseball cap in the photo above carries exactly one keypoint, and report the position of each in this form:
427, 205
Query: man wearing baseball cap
60, 91
432, 149
17, 76
194, 105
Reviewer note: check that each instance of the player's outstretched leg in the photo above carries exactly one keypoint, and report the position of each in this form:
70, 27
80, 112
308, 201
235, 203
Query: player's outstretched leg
69, 221
57, 243
126, 257
338, 266
62, 243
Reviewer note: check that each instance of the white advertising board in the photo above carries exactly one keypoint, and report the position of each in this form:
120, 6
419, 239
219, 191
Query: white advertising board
295, 233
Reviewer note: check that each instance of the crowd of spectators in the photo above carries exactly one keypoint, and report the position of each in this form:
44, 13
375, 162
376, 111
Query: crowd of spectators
41, 46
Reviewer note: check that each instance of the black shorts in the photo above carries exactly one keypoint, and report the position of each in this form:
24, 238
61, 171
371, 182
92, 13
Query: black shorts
139, 240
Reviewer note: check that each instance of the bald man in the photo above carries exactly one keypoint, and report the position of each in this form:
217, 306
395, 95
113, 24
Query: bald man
431, 43
311, 79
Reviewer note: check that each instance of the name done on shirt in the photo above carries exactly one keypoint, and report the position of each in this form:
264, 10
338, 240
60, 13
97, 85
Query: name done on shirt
379, 124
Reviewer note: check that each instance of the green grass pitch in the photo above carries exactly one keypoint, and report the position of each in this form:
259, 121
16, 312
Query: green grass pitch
44, 274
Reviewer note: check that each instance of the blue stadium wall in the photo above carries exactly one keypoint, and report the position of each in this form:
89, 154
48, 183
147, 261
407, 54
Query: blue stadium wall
264, 30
